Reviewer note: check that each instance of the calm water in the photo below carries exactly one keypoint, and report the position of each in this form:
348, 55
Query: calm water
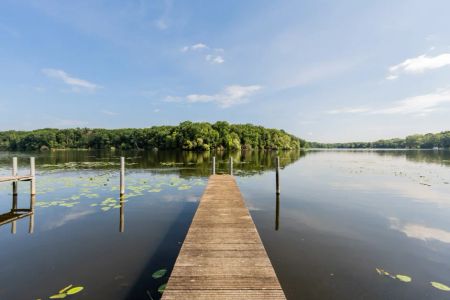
341, 214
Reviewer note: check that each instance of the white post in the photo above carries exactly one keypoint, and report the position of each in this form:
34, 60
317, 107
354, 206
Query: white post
14, 174
33, 176
214, 165
122, 175
231, 165
277, 175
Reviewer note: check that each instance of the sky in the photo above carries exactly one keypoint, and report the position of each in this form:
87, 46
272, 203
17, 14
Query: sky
326, 71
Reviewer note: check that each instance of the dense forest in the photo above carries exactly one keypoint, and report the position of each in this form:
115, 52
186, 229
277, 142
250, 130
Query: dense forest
187, 136
416, 141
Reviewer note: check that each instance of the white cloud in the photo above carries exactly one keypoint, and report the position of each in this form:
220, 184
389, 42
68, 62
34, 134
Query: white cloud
420, 105
213, 55
231, 95
214, 59
195, 47
419, 65
75, 83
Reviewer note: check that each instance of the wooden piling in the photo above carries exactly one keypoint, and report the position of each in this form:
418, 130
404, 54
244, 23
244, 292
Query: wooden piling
214, 165
277, 175
14, 174
33, 176
122, 175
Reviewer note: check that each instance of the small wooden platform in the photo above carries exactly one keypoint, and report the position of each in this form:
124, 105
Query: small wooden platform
15, 178
222, 256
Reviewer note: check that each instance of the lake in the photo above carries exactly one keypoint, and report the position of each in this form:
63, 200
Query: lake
341, 215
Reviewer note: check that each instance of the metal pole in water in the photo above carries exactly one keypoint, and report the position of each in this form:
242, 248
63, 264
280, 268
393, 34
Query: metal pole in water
214, 165
277, 175
231, 165
14, 174
33, 176
122, 175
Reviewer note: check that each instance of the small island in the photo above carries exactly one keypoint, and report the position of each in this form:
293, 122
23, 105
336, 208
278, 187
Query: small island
201, 136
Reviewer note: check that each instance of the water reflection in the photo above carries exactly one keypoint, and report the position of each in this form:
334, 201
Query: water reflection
17, 213
421, 232
122, 214
183, 163
277, 212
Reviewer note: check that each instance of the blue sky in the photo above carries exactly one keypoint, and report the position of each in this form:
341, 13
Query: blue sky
326, 71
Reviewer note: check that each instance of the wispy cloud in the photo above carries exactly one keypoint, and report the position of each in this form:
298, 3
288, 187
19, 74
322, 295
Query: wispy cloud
348, 110
108, 112
420, 105
419, 64
162, 23
229, 96
214, 59
195, 47
76, 84
213, 55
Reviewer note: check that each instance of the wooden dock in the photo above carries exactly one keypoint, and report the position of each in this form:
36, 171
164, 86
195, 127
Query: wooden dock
15, 178
222, 256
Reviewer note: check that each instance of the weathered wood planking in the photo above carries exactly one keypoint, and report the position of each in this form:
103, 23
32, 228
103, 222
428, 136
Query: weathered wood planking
222, 256
15, 178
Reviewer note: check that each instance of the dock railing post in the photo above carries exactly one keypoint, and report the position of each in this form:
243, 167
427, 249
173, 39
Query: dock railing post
214, 165
14, 174
122, 175
231, 165
277, 175
33, 176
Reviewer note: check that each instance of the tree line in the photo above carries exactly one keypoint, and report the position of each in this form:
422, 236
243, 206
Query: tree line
187, 135
416, 141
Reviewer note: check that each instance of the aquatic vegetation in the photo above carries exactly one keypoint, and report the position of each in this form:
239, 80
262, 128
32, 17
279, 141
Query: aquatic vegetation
67, 291
162, 288
403, 278
184, 187
159, 273
440, 286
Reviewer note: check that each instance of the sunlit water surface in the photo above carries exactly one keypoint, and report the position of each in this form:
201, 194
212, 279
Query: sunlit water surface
340, 215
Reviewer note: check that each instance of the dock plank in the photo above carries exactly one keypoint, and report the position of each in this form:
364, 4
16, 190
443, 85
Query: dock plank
222, 257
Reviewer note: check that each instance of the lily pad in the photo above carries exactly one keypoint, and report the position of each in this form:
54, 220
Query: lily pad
75, 290
65, 289
184, 187
440, 286
162, 288
58, 296
159, 273
403, 278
